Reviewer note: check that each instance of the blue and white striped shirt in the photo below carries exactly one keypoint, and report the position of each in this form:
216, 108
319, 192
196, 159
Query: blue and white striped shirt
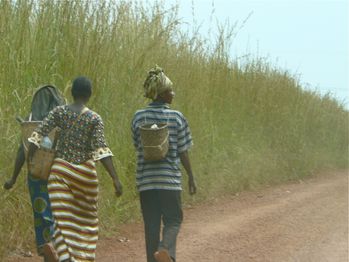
163, 174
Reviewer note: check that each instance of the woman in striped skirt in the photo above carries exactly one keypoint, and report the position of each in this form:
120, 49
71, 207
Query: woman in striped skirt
73, 182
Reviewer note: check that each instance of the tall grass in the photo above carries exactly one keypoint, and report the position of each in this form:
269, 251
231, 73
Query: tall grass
252, 124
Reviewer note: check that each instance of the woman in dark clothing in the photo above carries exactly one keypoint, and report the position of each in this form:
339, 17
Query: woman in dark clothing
159, 182
44, 100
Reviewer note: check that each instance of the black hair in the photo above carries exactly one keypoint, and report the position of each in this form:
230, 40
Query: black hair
82, 87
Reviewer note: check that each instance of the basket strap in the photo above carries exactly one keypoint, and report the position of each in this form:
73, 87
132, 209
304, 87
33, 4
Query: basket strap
55, 139
83, 111
26, 149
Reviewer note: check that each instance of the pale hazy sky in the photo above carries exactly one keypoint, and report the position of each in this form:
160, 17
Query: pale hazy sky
308, 38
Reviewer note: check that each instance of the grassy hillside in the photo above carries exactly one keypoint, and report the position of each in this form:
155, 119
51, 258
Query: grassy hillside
252, 124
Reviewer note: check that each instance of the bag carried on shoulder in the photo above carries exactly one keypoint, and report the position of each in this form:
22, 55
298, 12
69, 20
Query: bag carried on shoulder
45, 98
155, 141
42, 160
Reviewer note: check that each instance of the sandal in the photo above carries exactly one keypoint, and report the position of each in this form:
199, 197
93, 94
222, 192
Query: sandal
162, 256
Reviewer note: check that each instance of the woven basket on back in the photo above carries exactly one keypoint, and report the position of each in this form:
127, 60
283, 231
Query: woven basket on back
40, 166
27, 128
154, 141
41, 163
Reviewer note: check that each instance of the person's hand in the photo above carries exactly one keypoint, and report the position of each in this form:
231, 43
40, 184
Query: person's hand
9, 184
118, 187
192, 186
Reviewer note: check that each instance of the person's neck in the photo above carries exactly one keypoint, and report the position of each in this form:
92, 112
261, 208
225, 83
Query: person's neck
77, 105
160, 101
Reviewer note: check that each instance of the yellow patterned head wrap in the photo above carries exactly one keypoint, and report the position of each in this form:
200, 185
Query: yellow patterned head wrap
156, 83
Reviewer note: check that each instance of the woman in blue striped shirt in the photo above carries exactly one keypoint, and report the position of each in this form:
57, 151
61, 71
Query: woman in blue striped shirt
159, 182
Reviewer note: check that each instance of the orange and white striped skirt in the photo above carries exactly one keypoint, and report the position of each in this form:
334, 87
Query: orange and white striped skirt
73, 191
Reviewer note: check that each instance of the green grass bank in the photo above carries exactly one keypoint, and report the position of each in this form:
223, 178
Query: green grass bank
252, 123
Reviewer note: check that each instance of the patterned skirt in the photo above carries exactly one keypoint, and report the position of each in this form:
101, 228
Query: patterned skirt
73, 191
43, 222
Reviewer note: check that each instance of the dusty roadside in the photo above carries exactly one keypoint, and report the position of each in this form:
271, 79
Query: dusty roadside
302, 221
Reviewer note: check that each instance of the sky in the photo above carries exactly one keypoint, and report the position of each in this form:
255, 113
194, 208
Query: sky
308, 38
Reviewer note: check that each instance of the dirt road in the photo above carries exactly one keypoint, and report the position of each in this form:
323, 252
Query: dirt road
303, 221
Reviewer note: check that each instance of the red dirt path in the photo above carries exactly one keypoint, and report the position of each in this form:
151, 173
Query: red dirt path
304, 221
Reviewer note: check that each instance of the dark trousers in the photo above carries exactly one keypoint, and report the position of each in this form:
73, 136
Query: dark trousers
160, 205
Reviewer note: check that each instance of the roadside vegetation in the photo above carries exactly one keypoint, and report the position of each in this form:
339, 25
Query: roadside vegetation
253, 123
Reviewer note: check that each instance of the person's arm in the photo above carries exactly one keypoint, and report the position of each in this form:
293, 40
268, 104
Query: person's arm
20, 159
103, 153
109, 166
184, 157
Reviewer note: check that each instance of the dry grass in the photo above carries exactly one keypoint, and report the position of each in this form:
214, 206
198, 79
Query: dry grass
252, 124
